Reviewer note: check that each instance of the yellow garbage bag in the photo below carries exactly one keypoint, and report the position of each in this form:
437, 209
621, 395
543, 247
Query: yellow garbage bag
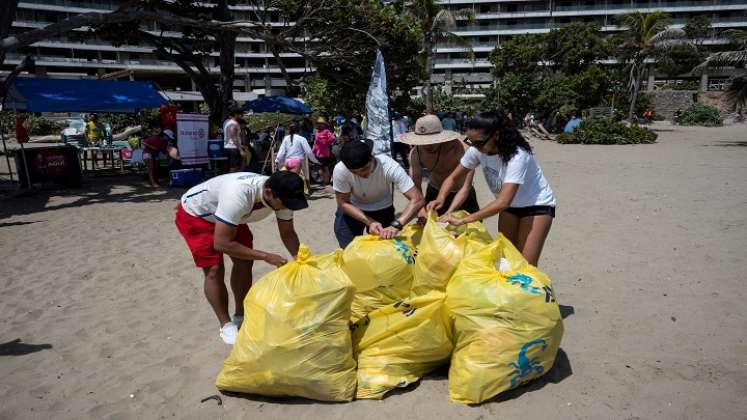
507, 323
295, 340
397, 344
380, 269
441, 249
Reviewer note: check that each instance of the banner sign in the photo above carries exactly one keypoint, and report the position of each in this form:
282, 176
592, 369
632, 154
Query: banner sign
192, 138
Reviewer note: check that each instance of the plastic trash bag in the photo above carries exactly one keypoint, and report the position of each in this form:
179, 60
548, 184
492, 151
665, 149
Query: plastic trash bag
507, 324
397, 344
380, 269
441, 249
295, 339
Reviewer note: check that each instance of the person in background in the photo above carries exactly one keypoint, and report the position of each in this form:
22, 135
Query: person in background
364, 190
293, 153
399, 148
438, 152
449, 123
153, 146
573, 124
279, 133
232, 139
213, 218
350, 130
323, 140
94, 130
307, 127
524, 199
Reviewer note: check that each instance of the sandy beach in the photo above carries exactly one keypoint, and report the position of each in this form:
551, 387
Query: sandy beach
647, 254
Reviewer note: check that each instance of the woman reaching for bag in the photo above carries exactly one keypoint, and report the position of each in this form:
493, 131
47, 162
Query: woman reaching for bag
524, 199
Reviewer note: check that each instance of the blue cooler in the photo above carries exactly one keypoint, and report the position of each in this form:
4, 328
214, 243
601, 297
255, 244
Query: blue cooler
186, 178
215, 149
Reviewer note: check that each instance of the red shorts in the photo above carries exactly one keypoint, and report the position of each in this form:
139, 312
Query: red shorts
199, 236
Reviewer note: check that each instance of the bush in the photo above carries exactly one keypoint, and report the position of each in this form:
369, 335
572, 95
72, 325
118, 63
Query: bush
703, 115
604, 131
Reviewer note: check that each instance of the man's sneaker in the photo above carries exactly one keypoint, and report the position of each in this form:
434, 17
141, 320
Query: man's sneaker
229, 332
238, 320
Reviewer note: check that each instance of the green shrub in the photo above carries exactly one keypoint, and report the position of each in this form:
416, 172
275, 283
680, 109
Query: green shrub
604, 131
703, 115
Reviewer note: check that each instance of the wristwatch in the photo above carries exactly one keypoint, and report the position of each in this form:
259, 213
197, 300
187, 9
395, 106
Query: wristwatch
397, 225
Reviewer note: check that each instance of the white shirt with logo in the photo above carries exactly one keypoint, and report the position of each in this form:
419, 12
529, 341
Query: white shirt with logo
376, 191
522, 169
233, 199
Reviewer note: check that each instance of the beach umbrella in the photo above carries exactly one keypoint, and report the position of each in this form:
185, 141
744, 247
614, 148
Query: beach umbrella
281, 104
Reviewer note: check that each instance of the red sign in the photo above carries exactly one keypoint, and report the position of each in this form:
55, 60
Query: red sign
22, 135
50, 162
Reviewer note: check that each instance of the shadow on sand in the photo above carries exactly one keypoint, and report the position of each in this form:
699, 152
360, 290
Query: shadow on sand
18, 348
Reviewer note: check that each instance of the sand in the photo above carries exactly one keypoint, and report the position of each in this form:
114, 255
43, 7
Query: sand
647, 254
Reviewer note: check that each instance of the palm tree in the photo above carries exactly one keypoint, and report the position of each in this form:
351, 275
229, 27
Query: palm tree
436, 23
737, 90
646, 35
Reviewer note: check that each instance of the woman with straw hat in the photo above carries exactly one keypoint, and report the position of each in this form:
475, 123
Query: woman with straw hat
438, 152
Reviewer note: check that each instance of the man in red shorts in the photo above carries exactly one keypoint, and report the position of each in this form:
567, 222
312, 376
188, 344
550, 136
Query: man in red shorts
212, 217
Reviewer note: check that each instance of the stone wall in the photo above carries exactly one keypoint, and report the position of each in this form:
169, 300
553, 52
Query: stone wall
666, 102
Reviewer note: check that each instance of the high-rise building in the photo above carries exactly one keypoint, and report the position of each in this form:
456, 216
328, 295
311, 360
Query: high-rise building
77, 54
496, 21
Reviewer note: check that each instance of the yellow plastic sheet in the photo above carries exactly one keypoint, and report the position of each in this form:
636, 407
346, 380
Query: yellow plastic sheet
380, 269
441, 249
397, 344
507, 323
295, 340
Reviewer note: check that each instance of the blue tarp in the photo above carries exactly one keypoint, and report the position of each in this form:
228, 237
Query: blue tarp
62, 95
282, 104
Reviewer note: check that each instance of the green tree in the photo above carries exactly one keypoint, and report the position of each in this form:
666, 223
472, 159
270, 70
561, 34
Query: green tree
436, 23
737, 57
645, 37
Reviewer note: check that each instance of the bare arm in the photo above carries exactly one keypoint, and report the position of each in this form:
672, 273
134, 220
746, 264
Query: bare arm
463, 193
416, 172
224, 241
289, 236
344, 204
505, 197
309, 153
446, 187
413, 206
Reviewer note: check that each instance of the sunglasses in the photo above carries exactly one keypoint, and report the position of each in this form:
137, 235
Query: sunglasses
477, 143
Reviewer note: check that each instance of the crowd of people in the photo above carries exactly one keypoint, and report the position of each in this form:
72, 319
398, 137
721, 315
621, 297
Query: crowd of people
213, 216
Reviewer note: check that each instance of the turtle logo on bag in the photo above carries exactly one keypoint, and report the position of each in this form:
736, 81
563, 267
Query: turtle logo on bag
407, 309
408, 254
524, 367
524, 282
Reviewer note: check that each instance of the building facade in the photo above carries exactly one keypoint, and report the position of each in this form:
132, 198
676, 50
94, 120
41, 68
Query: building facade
498, 20
77, 54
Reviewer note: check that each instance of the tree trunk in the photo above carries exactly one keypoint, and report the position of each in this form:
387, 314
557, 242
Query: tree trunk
428, 47
636, 88
227, 73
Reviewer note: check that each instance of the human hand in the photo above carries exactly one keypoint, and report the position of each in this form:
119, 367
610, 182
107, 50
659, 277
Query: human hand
434, 205
375, 228
389, 232
455, 220
274, 259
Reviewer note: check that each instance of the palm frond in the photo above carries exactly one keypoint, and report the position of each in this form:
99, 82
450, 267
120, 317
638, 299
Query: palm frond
727, 59
462, 42
465, 14
738, 35
736, 93
444, 19
667, 35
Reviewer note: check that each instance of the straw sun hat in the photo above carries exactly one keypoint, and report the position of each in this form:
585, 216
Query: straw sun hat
428, 130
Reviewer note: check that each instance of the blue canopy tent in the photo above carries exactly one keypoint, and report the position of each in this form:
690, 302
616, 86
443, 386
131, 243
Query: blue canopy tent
282, 104
62, 95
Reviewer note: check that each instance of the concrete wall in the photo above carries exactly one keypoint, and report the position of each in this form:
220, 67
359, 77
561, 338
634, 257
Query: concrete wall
666, 102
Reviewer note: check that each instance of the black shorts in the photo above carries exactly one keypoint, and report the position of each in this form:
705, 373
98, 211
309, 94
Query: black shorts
470, 204
532, 211
328, 162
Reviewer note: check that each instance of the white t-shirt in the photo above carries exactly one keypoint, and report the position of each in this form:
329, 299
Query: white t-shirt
233, 199
299, 148
376, 191
228, 141
522, 169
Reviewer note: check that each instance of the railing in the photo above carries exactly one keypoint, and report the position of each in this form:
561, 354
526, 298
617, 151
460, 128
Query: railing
99, 5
